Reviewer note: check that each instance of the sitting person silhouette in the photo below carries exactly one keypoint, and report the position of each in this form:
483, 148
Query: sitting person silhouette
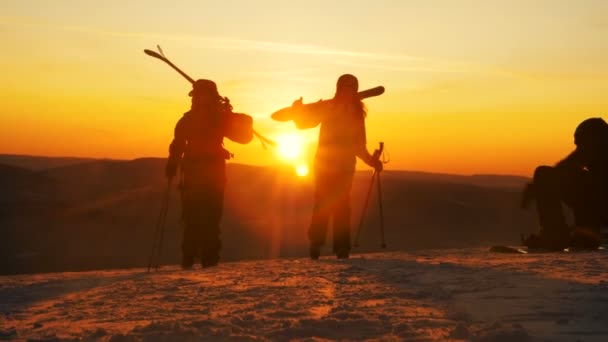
579, 181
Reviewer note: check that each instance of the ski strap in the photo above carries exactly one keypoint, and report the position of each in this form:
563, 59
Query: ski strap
264, 140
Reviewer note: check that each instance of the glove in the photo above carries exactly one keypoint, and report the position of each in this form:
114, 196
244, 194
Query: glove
297, 103
170, 169
377, 165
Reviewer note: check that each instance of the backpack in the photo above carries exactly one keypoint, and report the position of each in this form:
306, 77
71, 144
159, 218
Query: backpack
238, 127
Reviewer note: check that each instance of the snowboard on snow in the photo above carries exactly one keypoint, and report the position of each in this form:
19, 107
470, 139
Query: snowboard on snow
526, 250
509, 249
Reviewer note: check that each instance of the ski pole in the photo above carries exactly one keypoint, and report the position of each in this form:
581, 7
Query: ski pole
376, 156
159, 230
162, 224
364, 210
383, 244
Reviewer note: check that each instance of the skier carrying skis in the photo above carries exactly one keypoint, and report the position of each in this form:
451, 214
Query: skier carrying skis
341, 139
198, 149
581, 182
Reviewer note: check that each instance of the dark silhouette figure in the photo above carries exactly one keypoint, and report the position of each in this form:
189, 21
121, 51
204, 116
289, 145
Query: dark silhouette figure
581, 182
341, 139
198, 149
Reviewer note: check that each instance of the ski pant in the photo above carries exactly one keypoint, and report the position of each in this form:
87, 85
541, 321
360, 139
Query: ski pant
575, 188
202, 197
331, 201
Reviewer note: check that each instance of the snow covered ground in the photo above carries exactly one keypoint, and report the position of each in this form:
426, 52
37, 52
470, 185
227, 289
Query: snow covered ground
433, 295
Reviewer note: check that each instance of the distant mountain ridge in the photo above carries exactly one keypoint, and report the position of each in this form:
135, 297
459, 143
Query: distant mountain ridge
36, 163
91, 214
41, 163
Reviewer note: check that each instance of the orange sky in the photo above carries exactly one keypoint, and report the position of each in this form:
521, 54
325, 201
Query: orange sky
472, 86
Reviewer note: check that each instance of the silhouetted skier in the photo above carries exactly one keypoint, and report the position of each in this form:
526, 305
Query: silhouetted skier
341, 139
581, 182
198, 148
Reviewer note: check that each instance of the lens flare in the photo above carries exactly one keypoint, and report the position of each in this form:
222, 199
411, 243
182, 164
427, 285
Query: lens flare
302, 170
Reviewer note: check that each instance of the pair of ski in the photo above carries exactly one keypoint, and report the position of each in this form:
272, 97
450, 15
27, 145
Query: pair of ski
160, 55
285, 114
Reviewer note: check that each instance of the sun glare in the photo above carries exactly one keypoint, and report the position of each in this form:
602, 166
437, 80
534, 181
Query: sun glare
290, 146
302, 170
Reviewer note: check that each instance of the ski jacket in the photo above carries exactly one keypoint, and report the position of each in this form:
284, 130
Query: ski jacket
342, 138
199, 137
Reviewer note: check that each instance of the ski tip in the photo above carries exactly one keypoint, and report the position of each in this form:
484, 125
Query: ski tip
152, 53
376, 91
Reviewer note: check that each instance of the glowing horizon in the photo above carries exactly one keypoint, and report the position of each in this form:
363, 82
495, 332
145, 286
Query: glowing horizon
482, 87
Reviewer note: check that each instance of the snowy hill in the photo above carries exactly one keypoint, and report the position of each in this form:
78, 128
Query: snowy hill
435, 295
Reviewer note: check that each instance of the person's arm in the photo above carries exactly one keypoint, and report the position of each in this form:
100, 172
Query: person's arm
527, 195
573, 161
361, 147
310, 115
176, 149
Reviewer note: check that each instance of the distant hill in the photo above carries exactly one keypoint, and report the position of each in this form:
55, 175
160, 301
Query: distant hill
36, 163
11, 173
101, 213
503, 181
20, 184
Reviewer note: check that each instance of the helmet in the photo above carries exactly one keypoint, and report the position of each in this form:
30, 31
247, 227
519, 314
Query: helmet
204, 87
590, 131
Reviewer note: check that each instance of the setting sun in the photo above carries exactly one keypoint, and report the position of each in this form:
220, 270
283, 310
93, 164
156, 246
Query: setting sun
290, 146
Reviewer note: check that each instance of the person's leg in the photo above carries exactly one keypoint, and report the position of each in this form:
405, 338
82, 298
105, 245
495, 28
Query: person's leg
210, 181
549, 195
581, 193
212, 210
548, 192
192, 227
342, 215
188, 246
317, 230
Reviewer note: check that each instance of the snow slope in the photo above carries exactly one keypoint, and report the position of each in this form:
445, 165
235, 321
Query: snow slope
432, 295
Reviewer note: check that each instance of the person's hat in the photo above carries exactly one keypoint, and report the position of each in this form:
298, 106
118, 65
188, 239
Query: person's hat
202, 86
590, 130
